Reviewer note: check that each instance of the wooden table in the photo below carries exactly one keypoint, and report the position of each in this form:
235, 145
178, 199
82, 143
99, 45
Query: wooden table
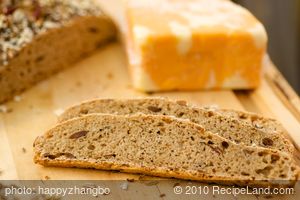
104, 75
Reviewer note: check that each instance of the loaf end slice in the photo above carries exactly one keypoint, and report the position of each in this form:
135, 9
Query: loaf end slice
160, 146
226, 126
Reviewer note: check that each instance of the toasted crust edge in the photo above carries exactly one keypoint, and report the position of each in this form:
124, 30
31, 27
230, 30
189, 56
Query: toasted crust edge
159, 173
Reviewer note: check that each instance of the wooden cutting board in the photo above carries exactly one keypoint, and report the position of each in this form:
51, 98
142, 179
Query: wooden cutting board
104, 75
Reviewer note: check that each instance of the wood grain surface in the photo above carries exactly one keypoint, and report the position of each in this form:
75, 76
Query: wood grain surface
104, 75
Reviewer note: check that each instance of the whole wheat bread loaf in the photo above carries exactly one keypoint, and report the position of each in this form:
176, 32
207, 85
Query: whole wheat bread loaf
226, 126
160, 146
39, 38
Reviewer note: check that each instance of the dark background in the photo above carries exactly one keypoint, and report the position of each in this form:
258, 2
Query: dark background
282, 21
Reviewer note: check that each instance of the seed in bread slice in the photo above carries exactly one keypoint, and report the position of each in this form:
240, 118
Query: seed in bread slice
160, 146
231, 128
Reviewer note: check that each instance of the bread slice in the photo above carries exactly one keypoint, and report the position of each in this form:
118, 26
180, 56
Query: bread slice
40, 38
258, 121
160, 146
233, 129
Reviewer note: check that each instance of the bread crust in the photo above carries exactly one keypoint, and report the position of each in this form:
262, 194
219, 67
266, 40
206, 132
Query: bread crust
160, 173
54, 50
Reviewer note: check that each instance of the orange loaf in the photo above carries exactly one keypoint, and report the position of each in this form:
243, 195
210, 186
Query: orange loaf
193, 44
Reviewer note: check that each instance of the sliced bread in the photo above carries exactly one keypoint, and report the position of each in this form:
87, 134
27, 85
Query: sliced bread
228, 127
258, 121
40, 38
160, 146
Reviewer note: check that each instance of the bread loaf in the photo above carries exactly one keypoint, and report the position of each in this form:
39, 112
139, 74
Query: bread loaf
160, 146
226, 126
39, 38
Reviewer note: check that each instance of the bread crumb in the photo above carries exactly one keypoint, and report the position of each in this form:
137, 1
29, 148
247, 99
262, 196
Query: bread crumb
162, 195
151, 183
17, 98
130, 180
58, 112
47, 177
124, 186
24, 150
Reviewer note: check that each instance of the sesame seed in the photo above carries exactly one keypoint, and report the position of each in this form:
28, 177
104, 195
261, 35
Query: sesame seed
23, 20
